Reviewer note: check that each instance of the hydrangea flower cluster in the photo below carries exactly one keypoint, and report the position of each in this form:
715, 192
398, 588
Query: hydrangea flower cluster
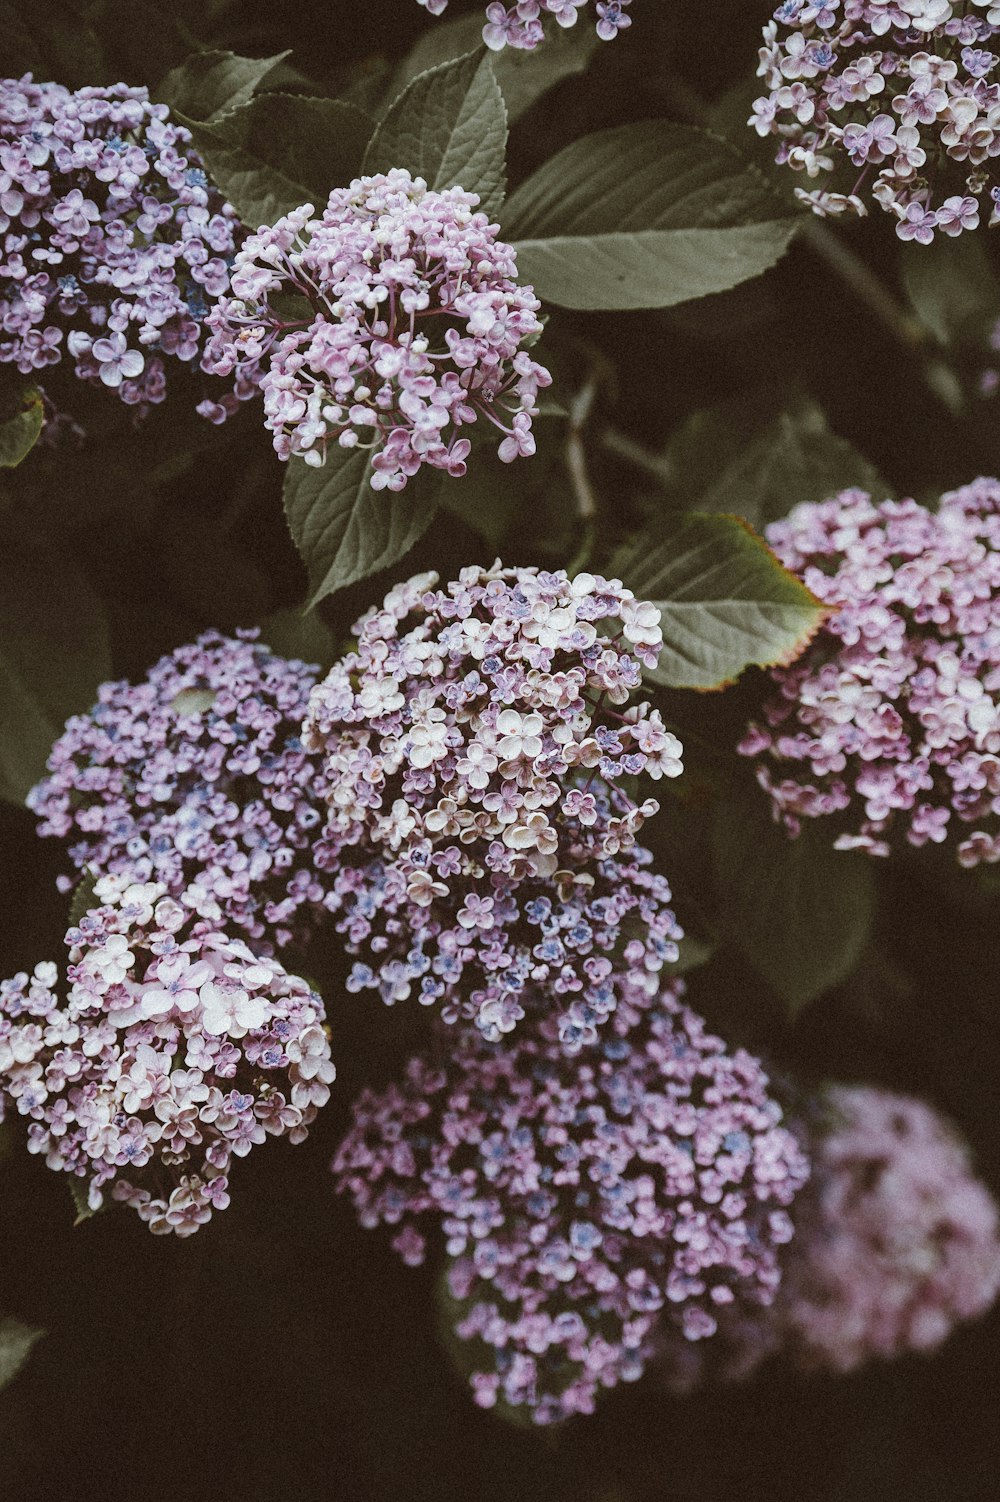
474, 747
897, 101
522, 24
347, 363
175, 1049
114, 244
889, 724
896, 1242
582, 1202
198, 778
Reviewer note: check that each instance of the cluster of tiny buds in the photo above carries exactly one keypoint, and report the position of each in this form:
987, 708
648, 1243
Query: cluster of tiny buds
113, 243
522, 24
407, 328
174, 1049
893, 100
889, 724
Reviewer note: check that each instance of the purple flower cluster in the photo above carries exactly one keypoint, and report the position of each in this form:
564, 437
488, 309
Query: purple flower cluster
522, 24
175, 1049
896, 1242
388, 324
198, 778
584, 1202
473, 758
893, 100
114, 245
889, 723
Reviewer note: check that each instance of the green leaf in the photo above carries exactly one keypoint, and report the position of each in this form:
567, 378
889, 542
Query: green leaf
725, 463
644, 216
343, 529
299, 634
19, 432
53, 654
725, 601
213, 83
280, 151
952, 289
16, 1341
799, 910
523, 76
81, 1204
52, 40
449, 126
84, 898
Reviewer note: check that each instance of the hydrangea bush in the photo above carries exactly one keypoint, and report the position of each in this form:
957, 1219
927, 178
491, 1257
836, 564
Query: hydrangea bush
889, 103
583, 1202
567, 854
888, 727
174, 1050
410, 328
115, 243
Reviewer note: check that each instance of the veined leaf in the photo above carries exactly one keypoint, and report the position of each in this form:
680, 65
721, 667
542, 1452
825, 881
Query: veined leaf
212, 83
799, 910
725, 601
343, 529
644, 216
449, 126
19, 432
279, 151
16, 1341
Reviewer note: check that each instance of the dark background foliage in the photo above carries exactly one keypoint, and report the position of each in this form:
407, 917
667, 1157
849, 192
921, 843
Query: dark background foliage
282, 1352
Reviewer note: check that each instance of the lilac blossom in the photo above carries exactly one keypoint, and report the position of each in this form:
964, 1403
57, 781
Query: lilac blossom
174, 1049
198, 778
581, 1203
896, 1242
409, 326
888, 726
899, 98
521, 25
113, 244
473, 749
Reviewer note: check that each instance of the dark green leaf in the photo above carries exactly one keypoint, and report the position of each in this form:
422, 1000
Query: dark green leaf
19, 431
799, 910
644, 216
280, 151
84, 898
343, 529
299, 634
53, 655
16, 1341
952, 288
52, 40
81, 1204
449, 126
725, 601
523, 76
213, 83
724, 463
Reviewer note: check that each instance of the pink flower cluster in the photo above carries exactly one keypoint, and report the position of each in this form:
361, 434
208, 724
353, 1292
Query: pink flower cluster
390, 323
889, 724
175, 1049
896, 1243
893, 100
113, 245
198, 778
473, 747
522, 24
584, 1202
